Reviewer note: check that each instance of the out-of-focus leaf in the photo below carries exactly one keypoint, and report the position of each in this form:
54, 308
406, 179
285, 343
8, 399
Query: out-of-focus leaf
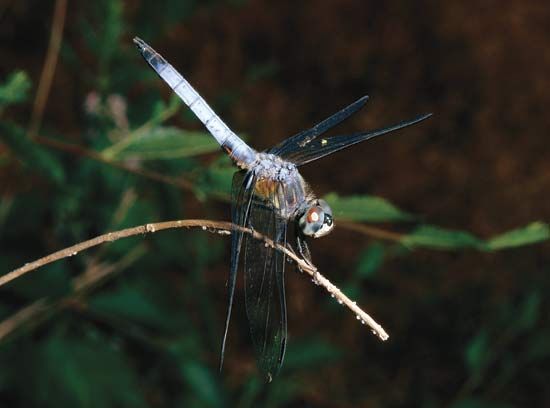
15, 89
310, 353
104, 42
129, 304
252, 387
477, 352
439, 238
169, 143
203, 382
84, 372
264, 70
52, 281
532, 233
365, 208
528, 312
215, 180
33, 155
370, 260
281, 392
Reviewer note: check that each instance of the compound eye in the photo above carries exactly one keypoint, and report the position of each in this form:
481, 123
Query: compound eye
312, 220
314, 215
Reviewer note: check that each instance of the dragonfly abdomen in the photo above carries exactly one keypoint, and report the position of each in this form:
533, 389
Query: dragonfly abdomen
242, 154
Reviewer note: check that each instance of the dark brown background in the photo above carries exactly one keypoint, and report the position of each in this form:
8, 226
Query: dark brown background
481, 163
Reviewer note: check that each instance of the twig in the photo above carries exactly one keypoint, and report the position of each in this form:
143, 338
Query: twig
81, 151
48, 70
111, 151
187, 185
369, 230
90, 278
222, 227
27, 314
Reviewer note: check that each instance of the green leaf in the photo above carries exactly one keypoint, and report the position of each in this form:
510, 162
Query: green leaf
529, 311
203, 382
162, 143
51, 281
365, 208
15, 89
305, 354
33, 155
216, 180
532, 233
84, 372
477, 353
130, 304
439, 238
370, 260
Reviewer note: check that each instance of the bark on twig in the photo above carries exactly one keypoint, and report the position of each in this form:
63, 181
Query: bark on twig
221, 227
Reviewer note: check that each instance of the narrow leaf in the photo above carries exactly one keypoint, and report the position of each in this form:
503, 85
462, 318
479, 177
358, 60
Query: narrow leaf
439, 238
365, 208
129, 304
168, 143
33, 155
529, 311
478, 353
203, 382
370, 260
532, 233
15, 89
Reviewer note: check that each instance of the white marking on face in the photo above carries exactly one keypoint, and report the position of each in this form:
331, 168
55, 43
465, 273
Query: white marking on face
324, 230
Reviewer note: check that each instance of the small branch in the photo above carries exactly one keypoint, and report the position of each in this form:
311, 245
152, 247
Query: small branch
91, 154
111, 151
60, 11
95, 274
221, 227
371, 231
374, 232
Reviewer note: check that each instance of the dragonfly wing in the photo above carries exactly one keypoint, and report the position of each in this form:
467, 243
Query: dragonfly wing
264, 282
325, 146
241, 200
301, 139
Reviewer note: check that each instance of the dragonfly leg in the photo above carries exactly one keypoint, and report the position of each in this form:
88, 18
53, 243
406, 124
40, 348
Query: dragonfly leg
303, 248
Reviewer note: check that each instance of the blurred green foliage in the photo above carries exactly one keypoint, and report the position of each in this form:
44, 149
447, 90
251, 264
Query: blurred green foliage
144, 329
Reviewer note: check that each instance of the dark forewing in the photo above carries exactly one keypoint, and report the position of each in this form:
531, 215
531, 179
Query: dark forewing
264, 282
242, 191
302, 139
325, 146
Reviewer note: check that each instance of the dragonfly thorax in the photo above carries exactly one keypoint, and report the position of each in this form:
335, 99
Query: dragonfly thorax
280, 184
270, 166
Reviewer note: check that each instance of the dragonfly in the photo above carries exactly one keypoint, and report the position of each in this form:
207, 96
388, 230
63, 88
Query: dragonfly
269, 196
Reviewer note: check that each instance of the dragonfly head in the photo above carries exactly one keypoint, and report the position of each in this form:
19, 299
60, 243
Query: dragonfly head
317, 219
